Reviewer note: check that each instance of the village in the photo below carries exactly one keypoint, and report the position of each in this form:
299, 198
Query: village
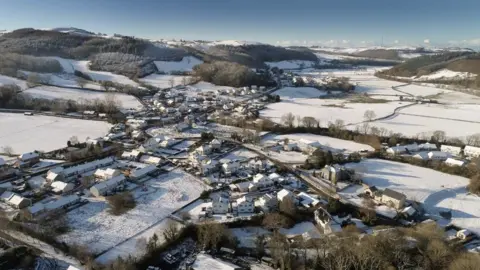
175, 163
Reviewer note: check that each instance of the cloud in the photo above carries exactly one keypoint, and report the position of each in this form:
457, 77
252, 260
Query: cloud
465, 42
426, 41
395, 41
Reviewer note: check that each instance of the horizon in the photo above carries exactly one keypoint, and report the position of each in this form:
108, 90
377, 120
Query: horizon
345, 23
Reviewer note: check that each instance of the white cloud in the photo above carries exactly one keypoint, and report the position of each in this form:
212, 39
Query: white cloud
465, 42
396, 41
426, 41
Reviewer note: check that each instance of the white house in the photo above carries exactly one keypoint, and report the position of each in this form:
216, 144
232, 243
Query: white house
208, 166
427, 147
62, 187
262, 181
267, 202
103, 188
307, 200
220, 205
107, 173
454, 150
454, 162
284, 193
150, 160
215, 144
401, 149
204, 149
18, 201
438, 155
86, 167
230, 167
132, 155
471, 151
30, 158
245, 205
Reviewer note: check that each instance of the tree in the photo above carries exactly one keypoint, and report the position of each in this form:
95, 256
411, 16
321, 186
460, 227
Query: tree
275, 221
368, 211
184, 80
171, 232
474, 185
121, 203
152, 243
106, 85
439, 136
81, 82
288, 119
8, 150
473, 140
299, 120
33, 79
260, 245
287, 206
210, 234
171, 82
309, 122
369, 115
112, 104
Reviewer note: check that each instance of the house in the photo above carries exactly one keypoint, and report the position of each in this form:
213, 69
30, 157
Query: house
257, 165
267, 203
335, 173
182, 127
307, 200
240, 187
454, 162
471, 151
105, 187
230, 167
204, 150
393, 198
168, 142
371, 191
454, 150
262, 181
215, 144
86, 167
428, 147
438, 155
401, 149
136, 123
107, 173
138, 135
285, 193
132, 155
291, 147
18, 202
220, 205
275, 177
327, 222
203, 262
62, 187
142, 172
151, 160
208, 166
244, 205
52, 207
30, 158
54, 175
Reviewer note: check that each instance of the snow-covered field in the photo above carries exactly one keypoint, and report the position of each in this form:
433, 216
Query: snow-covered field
418, 90
52, 92
292, 64
241, 155
28, 133
334, 143
326, 110
186, 64
410, 125
445, 74
247, 236
437, 191
453, 111
10, 80
163, 81
299, 92
93, 226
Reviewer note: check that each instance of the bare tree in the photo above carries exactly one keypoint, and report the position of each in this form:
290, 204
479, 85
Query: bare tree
473, 140
339, 123
33, 79
171, 232
439, 135
275, 221
8, 150
365, 127
288, 119
369, 115
287, 206
299, 120
141, 245
111, 103
309, 122
81, 82
171, 82
184, 80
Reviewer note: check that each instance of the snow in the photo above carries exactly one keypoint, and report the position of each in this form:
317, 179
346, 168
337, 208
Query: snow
447, 75
291, 64
93, 226
207, 262
418, 90
186, 64
163, 81
299, 92
235, 43
468, 112
241, 155
247, 235
52, 92
288, 156
10, 80
323, 140
28, 133
301, 228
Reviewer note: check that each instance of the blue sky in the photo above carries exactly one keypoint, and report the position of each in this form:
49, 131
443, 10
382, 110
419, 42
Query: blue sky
435, 22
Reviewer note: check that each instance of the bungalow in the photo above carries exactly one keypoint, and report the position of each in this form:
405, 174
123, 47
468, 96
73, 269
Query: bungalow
230, 167
18, 201
307, 200
105, 187
454, 162
428, 147
132, 155
136, 123
220, 205
142, 172
471, 151
284, 193
454, 150
208, 166
261, 181
151, 160
62, 187
86, 167
267, 202
438, 155
244, 205
401, 149
53, 206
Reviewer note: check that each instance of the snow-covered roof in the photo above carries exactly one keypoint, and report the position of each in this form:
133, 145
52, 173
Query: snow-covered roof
427, 146
273, 176
451, 149
451, 161
36, 208
109, 184
2, 161
61, 202
143, 171
59, 186
206, 262
284, 193
403, 148
471, 149
16, 200
307, 200
409, 210
259, 178
150, 159
440, 154
28, 156
89, 166
6, 196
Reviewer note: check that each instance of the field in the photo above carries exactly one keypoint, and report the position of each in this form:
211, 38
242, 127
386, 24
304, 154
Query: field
299, 92
186, 64
163, 81
28, 133
418, 90
437, 191
293, 64
339, 145
51, 92
10, 80
91, 225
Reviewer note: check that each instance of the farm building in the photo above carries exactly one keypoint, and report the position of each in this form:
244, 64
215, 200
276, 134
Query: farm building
142, 172
62, 187
393, 198
454, 162
107, 173
220, 205
402, 149
454, 150
471, 151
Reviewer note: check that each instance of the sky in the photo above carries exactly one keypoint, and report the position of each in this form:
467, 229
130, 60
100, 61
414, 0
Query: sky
283, 22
